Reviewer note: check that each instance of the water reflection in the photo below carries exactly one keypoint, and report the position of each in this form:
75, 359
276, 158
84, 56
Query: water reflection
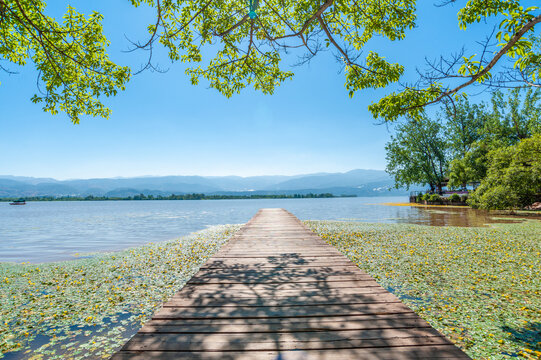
454, 216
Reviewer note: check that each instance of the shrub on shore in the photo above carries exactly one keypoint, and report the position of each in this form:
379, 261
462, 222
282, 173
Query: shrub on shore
513, 178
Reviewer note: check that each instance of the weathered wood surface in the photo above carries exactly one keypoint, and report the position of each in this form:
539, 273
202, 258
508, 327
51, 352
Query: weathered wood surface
278, 291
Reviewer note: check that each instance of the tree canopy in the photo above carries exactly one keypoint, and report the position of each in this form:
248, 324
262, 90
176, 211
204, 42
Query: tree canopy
417, 154
74, 68
249, 45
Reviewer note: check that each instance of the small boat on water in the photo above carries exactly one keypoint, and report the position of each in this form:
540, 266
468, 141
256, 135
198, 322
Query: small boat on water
18, 202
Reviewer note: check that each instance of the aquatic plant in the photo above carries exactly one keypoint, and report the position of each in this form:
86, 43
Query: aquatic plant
90, 307
481, 287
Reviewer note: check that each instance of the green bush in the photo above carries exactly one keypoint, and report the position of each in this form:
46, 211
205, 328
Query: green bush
419, 198
513, 177
464, 198
493, 198
454, 198
434, 198
426, 197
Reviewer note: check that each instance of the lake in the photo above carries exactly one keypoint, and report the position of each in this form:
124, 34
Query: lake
64, 230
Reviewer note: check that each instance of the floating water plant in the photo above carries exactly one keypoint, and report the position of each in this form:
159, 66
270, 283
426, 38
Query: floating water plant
90, 307
481, 287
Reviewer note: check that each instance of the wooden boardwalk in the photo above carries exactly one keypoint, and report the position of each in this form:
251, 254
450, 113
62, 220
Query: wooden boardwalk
278, 291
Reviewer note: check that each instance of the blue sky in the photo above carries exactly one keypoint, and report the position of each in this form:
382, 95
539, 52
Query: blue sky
162, 125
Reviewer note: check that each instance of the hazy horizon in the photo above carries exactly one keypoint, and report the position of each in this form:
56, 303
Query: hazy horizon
201, 175
357, 182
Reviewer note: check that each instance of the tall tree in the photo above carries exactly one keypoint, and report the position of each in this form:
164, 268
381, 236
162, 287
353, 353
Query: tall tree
463, 129
516, 116
471, 168
463, 125
513, 115
417, 154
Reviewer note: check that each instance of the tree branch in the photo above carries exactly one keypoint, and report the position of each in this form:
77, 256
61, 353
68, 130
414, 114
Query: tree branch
307, 22
242, 21
514, 39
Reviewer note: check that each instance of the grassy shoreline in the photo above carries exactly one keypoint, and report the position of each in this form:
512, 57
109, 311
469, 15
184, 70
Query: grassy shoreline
89, 307
481, 287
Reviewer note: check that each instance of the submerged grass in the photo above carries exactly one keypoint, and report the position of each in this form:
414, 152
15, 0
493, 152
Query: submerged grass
481, 287
90, 307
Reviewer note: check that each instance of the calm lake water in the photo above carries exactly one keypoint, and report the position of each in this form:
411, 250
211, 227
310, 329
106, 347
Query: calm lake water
51, 231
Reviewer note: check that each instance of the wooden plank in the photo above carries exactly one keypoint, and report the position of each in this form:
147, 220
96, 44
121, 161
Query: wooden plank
268, 256
313, 285
346, 269
291, 321
283, 257
315, 299
269, 279
277, 290
248, 264
438, 352
330, 323
202, 292
287, 341
395, 307
434, 352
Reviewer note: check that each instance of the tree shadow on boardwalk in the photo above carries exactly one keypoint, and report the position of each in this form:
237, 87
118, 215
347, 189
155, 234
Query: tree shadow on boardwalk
296, 298
289, 310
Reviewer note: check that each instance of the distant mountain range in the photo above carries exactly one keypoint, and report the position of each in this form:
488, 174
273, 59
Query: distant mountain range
355, 182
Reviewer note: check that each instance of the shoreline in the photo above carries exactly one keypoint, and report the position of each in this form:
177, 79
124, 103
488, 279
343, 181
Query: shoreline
423, 205
184, 197
514, 213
